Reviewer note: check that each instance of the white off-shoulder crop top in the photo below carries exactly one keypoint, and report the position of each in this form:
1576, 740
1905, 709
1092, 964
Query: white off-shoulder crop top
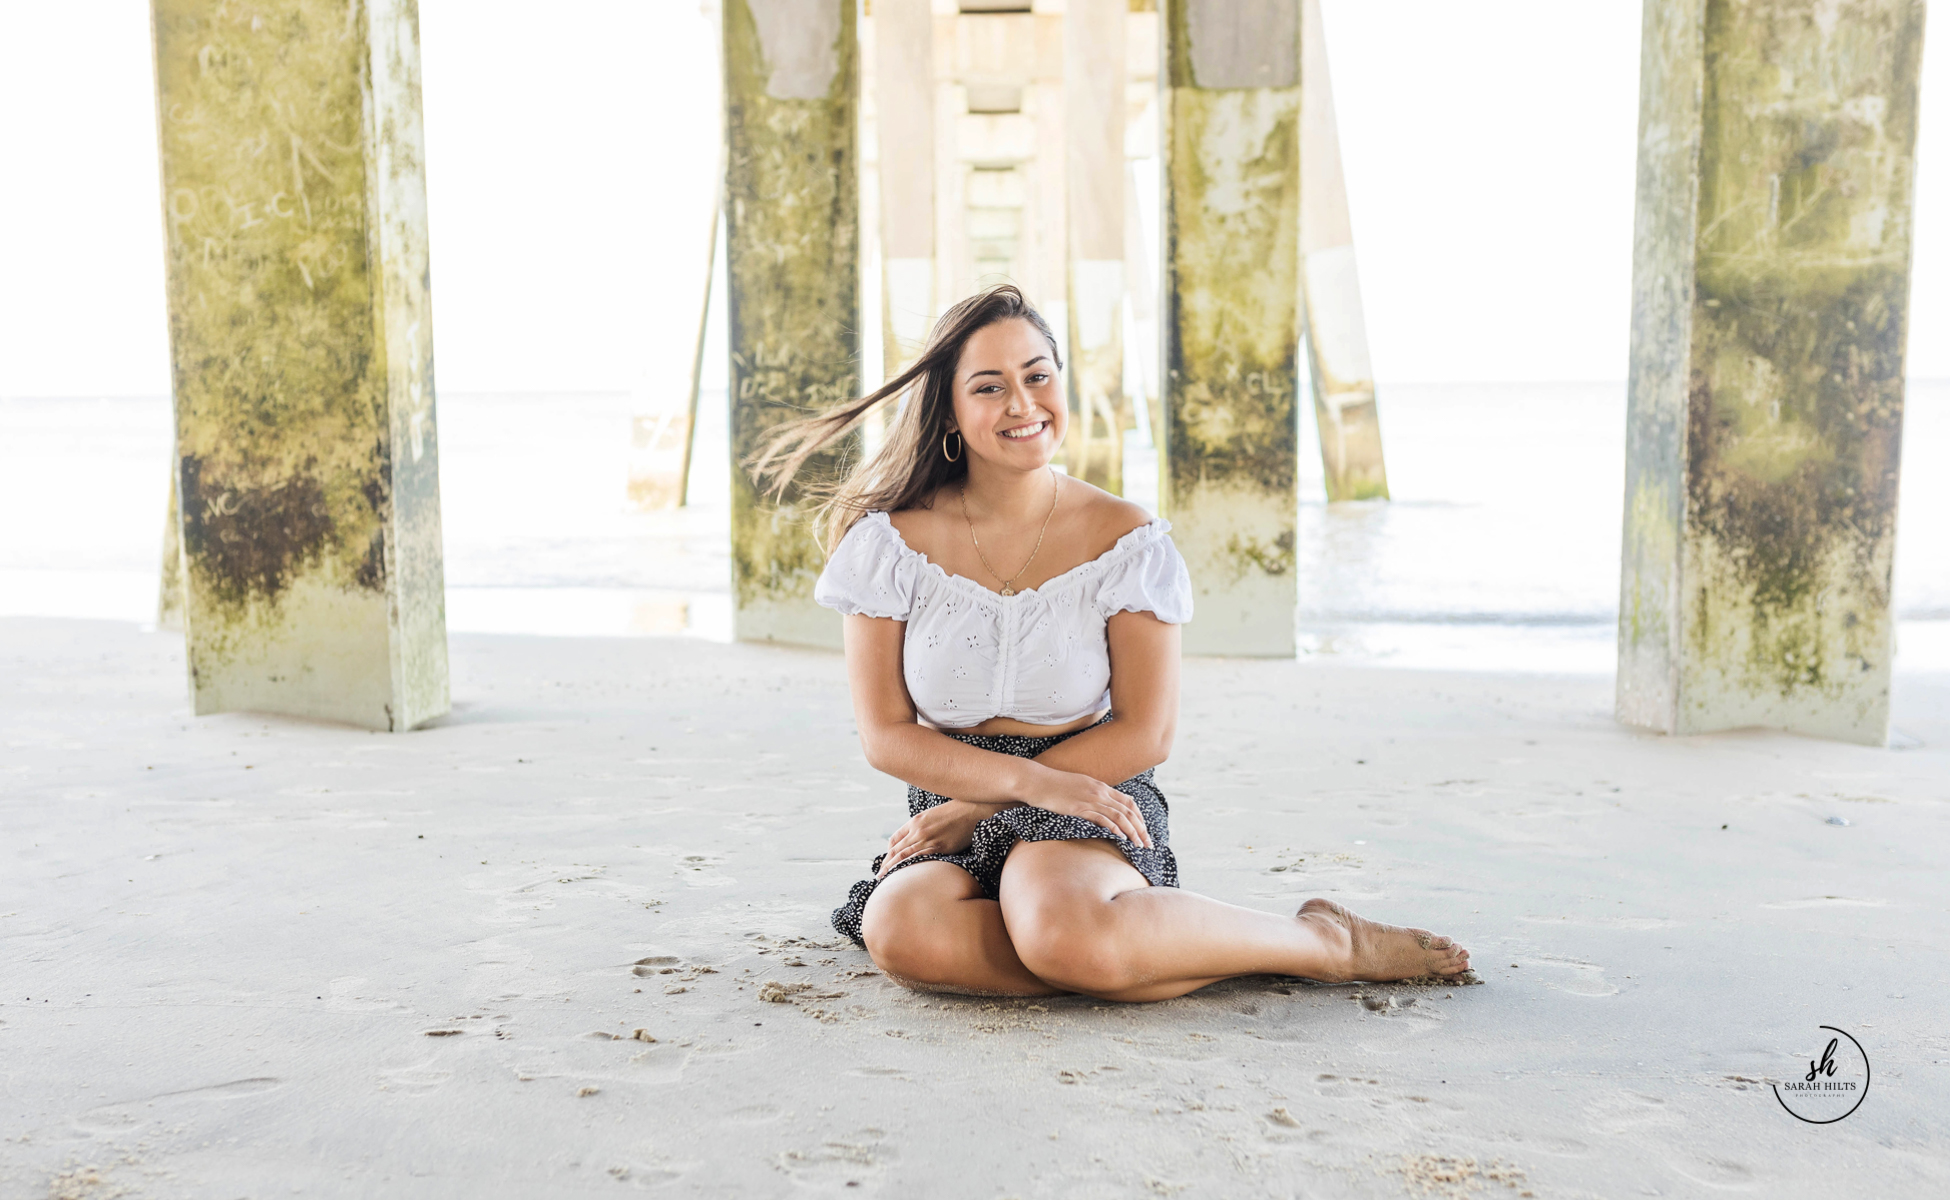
1040, 656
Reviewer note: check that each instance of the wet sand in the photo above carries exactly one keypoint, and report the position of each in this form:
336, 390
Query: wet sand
574, 941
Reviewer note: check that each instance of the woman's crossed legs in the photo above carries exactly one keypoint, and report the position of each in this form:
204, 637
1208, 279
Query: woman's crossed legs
1075, 916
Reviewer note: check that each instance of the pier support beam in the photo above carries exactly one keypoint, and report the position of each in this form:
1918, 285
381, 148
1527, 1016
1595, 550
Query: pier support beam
792, 241
1337, 334
1231, 315
301, 348
1093, 84
1769, 313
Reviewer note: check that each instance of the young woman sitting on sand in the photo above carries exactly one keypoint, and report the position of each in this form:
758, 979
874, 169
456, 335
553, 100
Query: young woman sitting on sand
1012, 644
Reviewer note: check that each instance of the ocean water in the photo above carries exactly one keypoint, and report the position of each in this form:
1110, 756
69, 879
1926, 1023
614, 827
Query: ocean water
1499, 550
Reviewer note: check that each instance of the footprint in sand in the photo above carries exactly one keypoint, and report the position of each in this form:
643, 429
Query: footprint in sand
107, 1122
663, 1061
701, 870
418, 1079
850, 1160
1344, 1087
645, 1175
1572, 975
354, 994
1713, 1172
1627, 1112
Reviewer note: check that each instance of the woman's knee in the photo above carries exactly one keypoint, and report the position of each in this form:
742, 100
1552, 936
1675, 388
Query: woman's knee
1070, 946
894, 936
903, 929
1057, 902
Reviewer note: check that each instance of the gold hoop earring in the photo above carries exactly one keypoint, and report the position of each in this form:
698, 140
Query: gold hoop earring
960, 445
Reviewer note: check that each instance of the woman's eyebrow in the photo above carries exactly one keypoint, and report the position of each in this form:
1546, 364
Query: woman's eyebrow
992, 371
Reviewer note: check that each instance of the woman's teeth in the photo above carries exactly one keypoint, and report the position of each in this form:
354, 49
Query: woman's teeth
1025, 431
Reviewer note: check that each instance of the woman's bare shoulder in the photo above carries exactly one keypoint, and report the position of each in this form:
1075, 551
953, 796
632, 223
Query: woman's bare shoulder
1105, 517
921, 526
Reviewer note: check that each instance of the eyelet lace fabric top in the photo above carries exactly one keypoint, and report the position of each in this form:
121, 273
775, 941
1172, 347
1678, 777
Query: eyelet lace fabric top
1040, 656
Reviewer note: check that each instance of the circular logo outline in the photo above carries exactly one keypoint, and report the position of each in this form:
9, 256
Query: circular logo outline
1866, 1074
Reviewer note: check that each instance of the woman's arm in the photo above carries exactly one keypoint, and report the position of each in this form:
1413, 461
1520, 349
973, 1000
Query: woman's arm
929, 759
1143, 700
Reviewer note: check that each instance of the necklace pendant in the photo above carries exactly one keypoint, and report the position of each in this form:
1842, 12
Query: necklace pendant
1007, 590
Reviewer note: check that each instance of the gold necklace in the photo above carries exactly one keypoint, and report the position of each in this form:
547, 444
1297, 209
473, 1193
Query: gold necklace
1009, 584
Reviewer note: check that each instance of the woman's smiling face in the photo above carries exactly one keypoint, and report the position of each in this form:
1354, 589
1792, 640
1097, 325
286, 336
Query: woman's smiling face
1009, 402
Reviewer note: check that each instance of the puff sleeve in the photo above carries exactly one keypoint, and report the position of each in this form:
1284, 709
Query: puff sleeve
1149, 576
871, 572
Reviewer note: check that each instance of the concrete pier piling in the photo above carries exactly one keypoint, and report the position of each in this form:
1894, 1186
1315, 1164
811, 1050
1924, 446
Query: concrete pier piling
1231, 316
301, 345
1337, 335
792, 241
1094, 99
1769, 314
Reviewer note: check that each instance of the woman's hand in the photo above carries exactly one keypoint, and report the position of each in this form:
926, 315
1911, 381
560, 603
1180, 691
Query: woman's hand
1098, 803
947, 828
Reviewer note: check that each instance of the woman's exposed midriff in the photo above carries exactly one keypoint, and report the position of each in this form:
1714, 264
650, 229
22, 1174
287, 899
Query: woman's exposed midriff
997, 726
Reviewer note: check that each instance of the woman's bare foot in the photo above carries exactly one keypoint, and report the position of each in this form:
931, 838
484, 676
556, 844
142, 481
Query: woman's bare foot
1369, 950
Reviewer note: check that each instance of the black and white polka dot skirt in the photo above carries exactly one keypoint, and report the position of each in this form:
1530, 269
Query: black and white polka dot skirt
990, 848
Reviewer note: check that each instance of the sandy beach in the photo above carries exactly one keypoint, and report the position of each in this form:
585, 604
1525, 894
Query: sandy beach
252, 957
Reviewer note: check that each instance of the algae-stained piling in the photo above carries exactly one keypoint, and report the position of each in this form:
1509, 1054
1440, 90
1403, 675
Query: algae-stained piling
792, 231
1337, 333
1231, 319
301, 346
1769, 313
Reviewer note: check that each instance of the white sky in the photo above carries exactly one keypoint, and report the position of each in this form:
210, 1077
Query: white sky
1489, 150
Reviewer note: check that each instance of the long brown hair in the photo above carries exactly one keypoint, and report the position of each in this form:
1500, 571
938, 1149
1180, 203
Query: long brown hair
912, 464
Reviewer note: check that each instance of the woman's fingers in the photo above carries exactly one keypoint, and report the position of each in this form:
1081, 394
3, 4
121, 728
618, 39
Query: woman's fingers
1131, 819
897, 849
1127, 823
912, 847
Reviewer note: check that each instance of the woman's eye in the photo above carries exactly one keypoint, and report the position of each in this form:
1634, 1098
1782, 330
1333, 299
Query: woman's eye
1039, 377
